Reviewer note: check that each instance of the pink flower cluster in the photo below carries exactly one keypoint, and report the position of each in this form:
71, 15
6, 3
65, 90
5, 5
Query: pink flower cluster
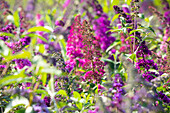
83, 47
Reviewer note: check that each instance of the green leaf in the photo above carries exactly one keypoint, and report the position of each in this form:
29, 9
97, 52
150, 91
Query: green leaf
153, 47
38, 36
115, 43
22, 110
12, 79
16, 19
135, 31
87, 98
157, 2
62, 92
128, 2
63, 48
148, 38
115, 2
61, 104
76, 95
39, 28
133, 57
41, 48
44, 78
21, 55
48, 19
15, 102
116, 30
150, 28
40, 91
79, 105
107, 60
7, 34
96, 90
115, 17
131, 37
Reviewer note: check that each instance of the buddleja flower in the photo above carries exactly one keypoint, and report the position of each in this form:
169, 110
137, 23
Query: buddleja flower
10, 28
165, 98
101, 28
30, 8
101, 25
143, 63
22, 63
84, 47
117, 98
2, 67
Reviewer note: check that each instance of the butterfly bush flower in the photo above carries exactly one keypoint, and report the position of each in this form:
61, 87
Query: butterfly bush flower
117, 98
101, 25
165, 98
2, 67
19, 45
10, 28
101, 28
30, 8
22, 62
125, 13
143, 52
84, 47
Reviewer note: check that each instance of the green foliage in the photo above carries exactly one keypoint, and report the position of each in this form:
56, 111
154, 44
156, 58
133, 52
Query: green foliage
4, 50
11, 79
17, 102
16, 19
63, 48
39, 28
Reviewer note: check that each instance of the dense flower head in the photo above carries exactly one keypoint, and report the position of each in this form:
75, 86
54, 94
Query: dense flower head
84, 47
74, 44
149, 75
19, 45
147, 64
22, 62
165, 98
10, 28
101, 27
117, 97
95, 71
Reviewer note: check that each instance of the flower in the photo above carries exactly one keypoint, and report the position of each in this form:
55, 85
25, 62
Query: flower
83, 47
22, 63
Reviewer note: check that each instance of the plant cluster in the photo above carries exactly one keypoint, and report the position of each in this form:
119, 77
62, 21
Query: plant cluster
85, 56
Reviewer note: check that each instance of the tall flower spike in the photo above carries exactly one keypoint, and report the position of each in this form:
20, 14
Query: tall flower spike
85, 48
